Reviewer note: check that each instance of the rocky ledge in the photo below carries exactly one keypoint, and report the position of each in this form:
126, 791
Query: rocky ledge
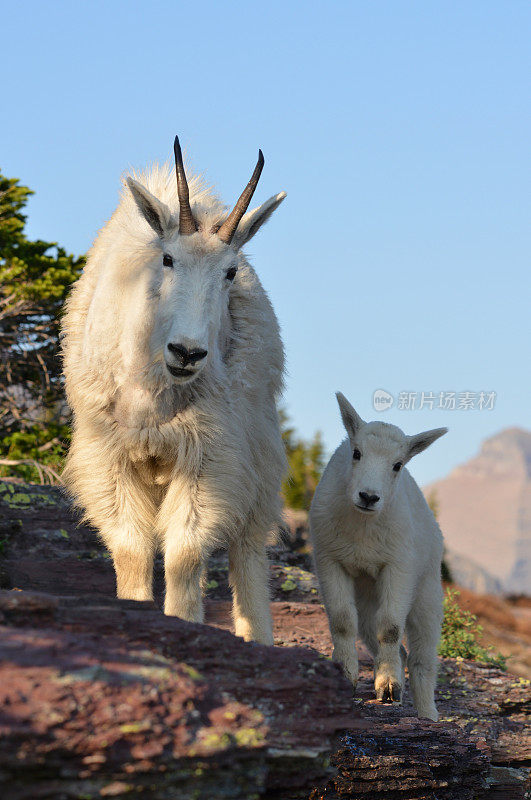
108, 698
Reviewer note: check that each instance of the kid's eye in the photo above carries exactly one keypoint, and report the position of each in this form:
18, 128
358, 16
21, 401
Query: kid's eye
398, 466
356, 455
231, 273
167, 260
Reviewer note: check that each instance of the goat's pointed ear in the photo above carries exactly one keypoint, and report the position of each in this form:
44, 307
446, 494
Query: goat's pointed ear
252, 221
351, 419
418, 443
157, 214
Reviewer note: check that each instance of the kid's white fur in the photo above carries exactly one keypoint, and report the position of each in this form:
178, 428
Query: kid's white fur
157, 462
379, 561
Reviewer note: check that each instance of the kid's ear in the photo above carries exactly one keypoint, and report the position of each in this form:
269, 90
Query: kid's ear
351, 419
253, 220
418, 443
157, 214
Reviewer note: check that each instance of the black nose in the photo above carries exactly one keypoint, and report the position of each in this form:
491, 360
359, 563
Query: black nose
186, 356
369, 499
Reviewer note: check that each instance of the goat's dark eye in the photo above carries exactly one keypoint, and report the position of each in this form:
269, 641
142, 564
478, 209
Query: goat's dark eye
167, 260
356, 455
398, 466
231, 273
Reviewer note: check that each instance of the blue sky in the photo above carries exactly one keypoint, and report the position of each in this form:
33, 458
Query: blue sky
400, 130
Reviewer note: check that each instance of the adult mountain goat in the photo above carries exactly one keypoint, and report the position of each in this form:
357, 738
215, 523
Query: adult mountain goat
173, 360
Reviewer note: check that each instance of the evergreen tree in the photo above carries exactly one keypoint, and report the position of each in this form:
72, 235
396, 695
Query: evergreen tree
35, 277
306, 462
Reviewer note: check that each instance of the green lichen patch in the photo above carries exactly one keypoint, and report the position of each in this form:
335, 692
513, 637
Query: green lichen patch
215, 741
288, 586
191, 672
142, 674
135, 727
21, 496
291, 579
249, 737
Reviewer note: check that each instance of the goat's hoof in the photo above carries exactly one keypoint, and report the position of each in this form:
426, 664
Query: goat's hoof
429, 713
389, 693
351, 676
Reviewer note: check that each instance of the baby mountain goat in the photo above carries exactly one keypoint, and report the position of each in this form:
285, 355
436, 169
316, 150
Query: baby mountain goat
173, 360
378, 554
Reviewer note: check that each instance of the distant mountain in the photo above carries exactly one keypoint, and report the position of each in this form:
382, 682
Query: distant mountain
485, 514
471, 575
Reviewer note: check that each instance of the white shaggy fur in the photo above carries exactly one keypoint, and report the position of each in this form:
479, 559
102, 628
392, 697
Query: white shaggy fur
378, 558
181, 464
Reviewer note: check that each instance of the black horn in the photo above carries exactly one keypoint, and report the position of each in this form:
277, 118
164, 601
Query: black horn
187, 223
228, 229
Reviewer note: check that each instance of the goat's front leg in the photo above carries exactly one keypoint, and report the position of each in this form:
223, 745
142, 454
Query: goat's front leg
394, 590
183, 566
187, 545
133, 556
129, 535
248, 577
338, 594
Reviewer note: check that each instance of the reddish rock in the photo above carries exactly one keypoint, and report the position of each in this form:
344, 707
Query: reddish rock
102, 694
107, 698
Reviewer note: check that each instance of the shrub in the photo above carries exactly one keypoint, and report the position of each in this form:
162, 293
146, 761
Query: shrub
461, 632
